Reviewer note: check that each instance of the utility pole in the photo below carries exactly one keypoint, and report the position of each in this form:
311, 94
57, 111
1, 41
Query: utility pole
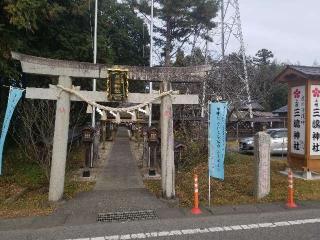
151, 59
204, 86
94, 82
150, 84
223, 51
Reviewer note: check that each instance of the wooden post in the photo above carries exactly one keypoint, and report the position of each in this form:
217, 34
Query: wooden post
60, 142
167, 145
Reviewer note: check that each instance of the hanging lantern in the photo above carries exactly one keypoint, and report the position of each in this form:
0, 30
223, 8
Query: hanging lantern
117, 84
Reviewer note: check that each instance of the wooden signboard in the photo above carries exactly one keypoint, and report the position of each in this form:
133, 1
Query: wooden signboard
303, 116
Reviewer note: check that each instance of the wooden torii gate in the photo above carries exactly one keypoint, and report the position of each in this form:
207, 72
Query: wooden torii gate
66, 70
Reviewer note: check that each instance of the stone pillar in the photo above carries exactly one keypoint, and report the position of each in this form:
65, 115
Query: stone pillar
167, 145
60, 142
262, 164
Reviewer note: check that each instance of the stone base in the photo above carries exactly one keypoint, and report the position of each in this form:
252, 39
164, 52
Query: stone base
86, 173
148, 177
80, 175
172, 203
305, 175
152, 172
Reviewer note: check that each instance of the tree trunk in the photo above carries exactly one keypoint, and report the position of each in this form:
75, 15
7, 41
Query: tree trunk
167, 50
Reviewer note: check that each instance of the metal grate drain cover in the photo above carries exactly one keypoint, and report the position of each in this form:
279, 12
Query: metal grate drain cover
127, 216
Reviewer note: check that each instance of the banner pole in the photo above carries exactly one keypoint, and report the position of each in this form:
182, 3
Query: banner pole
209, 191
209, 142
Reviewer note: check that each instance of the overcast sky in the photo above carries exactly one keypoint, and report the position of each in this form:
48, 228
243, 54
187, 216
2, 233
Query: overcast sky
289, 28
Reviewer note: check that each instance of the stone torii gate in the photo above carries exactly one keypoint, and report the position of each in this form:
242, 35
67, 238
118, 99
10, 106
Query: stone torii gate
66, 70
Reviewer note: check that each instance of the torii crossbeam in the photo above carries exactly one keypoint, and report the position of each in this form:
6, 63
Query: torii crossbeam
66, 70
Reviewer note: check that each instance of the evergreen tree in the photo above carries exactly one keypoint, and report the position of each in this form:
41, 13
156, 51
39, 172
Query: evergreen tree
181, 19
64, 30
195, 58
263, 57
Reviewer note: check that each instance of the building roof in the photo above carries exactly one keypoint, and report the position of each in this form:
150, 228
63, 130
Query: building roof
283, 109
244, 115
264, 120
295, 72
255, 106
262, 114
307, 70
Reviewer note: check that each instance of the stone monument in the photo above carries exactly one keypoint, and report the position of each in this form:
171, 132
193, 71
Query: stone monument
262, 164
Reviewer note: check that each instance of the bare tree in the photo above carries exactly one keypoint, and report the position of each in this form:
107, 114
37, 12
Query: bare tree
34, 130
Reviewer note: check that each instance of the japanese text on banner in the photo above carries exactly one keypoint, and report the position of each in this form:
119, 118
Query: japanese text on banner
217, 139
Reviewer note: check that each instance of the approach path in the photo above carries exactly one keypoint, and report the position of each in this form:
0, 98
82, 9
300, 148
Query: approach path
120, 172
119, 188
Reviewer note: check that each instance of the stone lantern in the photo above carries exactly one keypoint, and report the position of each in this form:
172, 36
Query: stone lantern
87, 139
153, 140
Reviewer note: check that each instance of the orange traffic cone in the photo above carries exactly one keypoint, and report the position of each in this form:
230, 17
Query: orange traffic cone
290, 203
196, 210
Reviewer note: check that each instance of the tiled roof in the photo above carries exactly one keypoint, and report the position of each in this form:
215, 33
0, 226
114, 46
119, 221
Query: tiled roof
262, 114
283, 109
254, 105
309, 71
295, 72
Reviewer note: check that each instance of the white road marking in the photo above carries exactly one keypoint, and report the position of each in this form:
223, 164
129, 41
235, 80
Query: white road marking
203, 230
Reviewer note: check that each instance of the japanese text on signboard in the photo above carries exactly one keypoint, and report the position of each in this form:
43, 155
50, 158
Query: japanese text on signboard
315, 121
298, 120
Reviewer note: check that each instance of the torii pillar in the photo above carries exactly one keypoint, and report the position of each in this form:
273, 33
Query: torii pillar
60, 141
167, 144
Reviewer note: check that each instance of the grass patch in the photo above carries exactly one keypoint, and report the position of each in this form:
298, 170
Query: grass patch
20, 174
74, 187
234, 144
154, 186
237, 188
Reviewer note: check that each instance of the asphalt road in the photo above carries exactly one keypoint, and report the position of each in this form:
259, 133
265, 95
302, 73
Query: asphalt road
285, 225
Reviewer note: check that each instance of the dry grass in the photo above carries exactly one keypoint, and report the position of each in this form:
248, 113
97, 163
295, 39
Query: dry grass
232, 144
20, 175
237, 188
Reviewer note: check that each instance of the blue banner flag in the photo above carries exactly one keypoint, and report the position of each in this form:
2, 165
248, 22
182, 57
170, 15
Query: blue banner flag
217, 138
13, 98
